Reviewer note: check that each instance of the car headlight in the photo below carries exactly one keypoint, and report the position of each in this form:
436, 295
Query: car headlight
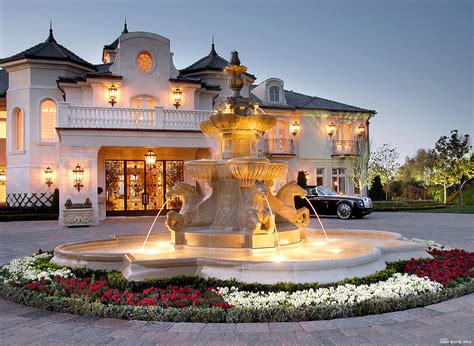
360, 203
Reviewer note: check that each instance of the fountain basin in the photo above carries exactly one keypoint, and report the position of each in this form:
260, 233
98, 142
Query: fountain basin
347, 254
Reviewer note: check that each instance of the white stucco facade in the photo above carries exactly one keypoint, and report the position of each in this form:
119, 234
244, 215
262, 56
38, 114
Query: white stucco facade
95, 134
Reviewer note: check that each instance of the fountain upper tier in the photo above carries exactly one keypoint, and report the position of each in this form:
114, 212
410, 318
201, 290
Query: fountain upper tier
239, 123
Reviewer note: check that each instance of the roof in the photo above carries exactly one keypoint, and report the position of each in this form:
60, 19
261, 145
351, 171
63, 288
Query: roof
102, 71
298, 100
49, 50
3, 83
114, 44
211, 62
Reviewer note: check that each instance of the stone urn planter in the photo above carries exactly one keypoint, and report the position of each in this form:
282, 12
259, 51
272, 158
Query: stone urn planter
77, 214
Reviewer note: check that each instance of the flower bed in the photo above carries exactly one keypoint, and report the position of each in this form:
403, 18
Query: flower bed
34, 281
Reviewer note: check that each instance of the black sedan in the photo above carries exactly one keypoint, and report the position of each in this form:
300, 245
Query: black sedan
329, 202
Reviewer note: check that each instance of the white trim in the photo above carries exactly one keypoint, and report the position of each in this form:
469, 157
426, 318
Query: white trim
13, 142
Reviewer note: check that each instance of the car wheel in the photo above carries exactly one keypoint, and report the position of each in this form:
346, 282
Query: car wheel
344, 211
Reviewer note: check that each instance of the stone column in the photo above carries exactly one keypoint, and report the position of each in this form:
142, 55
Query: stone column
87, 158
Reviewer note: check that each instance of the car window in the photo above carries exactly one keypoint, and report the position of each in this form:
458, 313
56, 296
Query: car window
324, 191
311, 191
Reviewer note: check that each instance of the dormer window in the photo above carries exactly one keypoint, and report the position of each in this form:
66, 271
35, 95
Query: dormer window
274, 94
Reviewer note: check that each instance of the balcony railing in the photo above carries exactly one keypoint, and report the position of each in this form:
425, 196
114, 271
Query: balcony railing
98, 117
345, 148
279, 146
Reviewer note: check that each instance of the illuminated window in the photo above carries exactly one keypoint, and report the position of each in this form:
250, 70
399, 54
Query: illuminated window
320, 176
18, 130
274, 94
143, 102
339, 180
48, 121
144, 62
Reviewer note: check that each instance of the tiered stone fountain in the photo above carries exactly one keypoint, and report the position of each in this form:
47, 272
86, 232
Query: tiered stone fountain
238, 228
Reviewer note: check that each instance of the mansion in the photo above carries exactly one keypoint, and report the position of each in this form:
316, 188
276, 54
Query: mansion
118, 133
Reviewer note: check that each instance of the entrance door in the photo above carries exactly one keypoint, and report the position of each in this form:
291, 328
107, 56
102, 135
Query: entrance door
134, 187
135, 182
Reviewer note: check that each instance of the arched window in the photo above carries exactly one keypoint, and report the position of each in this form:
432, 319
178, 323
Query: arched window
18, 118
274, 94
48, 121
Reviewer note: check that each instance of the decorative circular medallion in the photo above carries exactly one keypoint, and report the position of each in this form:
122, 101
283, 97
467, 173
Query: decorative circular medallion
144, 62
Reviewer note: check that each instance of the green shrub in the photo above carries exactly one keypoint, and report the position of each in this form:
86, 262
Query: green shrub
376, 192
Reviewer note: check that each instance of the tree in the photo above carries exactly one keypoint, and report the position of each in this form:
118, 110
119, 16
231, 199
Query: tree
455, 160
301, 180
376, 192
416, 170
360, 165
383, 163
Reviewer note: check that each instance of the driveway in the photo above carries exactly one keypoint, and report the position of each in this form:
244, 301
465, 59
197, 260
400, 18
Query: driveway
447, 322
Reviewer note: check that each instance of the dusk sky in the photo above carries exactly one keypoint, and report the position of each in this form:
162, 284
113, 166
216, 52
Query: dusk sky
411, 61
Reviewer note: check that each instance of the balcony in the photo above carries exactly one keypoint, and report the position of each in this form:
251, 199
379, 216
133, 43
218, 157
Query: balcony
98, 117
279, 147
345, 148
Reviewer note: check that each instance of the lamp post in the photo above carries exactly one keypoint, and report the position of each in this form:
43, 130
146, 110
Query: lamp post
112, 95
48, 173
78, 177
295, 128
331, 129
3, 177
150, 158
177, 98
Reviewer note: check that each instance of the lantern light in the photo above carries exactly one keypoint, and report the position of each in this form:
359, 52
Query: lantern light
295, 128
150, 158
112, 95
331, 129
177, 98
3, 177
78, 177
48, 173
361, 130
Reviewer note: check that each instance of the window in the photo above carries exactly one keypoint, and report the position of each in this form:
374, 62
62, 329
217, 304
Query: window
144, 62
274, 94
18, 128
320, 176
143, 102
339, 180
48, 121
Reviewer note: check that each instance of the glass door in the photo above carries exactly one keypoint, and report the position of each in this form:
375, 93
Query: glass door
135, 184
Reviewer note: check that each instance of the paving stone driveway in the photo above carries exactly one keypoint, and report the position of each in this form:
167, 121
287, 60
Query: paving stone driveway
449, 322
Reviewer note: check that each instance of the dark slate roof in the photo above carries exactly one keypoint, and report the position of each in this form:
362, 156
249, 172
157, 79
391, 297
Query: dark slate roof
49, 50
114, 44
211, 62
3, 83
297, 100
193, 80
102, 70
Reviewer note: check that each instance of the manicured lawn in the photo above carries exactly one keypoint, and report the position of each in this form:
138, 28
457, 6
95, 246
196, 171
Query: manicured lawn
467, 209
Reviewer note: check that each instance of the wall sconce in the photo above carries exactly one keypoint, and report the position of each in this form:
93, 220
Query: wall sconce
295, 128
150, 158
3, 177
112, 95
48, 174
331, 129
78, 177
177, 98
361, 130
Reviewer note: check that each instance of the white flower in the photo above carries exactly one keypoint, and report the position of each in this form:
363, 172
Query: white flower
25, 268
398, 286
429, 243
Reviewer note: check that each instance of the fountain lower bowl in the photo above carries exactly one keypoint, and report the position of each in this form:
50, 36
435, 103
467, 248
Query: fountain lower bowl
347, 254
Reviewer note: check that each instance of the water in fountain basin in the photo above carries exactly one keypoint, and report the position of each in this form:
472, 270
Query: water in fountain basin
153, 224
280, 257
322, 227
